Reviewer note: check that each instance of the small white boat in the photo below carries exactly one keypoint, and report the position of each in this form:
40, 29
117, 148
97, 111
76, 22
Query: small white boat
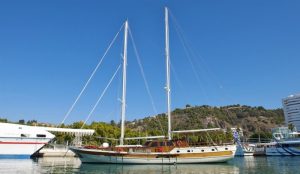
245, 149
249, 149
21, 141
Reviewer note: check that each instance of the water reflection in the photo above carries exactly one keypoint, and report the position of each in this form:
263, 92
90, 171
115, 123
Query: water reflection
251, 164
243, 165
58, 165
154, 169
17, 166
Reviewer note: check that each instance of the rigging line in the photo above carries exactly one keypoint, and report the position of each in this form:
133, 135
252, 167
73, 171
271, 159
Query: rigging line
211, 139
91, 76
177, 81
190, 53
176, 76
190, 60
102, 94
142, 72
117, 109
205, 67
144, 76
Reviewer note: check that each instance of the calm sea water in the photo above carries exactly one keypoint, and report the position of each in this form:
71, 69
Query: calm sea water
243, 165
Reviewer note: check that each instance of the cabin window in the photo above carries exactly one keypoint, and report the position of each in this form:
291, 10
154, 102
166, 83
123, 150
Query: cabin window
178, 151
23, 135
188, 151
162, 143
212, 149
226, 148
202, 150
41, 135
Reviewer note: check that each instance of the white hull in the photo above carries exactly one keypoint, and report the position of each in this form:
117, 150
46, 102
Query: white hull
21, 141
20, 147
172, 157
248, 153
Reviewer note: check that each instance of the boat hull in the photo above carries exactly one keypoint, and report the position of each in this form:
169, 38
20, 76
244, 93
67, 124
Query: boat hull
20, 148
284, 148
111, 157
283, 151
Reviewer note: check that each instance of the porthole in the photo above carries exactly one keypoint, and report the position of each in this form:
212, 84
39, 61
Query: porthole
226, 148
212, 149
202, 150
178, 151
188, 151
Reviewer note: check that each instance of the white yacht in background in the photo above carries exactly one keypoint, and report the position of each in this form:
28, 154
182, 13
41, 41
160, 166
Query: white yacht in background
21, 141
285, 143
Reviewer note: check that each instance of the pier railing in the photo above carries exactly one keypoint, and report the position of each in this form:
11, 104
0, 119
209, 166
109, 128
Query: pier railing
256, 140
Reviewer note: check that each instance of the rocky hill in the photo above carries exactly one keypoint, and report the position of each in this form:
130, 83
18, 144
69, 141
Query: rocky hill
251, 119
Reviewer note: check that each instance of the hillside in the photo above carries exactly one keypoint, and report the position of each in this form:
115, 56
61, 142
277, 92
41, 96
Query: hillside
250, 119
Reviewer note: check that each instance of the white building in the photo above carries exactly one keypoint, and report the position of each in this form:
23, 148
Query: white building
291, 108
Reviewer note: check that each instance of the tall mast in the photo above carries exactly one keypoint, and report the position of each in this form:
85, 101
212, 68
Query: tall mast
123, 110
168, 90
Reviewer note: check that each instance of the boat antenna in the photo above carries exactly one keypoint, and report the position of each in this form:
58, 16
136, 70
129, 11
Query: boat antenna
123, 102
168, 90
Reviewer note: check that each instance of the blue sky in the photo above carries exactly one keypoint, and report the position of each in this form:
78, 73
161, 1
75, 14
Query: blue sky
244, 52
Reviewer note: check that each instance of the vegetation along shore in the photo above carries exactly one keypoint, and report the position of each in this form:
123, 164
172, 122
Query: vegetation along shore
253, 121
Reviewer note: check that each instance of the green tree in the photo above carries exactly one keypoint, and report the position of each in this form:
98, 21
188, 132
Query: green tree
22, 121
291, 127
3, 120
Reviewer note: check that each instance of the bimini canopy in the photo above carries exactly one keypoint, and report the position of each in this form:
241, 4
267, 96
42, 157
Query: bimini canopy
77, 132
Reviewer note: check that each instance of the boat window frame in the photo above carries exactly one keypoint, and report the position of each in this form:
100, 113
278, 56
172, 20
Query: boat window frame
41, 135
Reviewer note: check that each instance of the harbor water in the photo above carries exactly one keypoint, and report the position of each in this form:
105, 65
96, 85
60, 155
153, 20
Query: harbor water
243, 165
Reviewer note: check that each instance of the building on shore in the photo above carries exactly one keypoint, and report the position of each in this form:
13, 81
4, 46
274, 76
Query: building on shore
291, 108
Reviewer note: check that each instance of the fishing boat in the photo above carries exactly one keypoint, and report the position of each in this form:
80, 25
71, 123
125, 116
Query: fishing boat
21, 141
161, 149
285, 143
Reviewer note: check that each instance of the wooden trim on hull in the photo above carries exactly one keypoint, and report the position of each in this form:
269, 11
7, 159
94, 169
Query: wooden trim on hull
90, 156
163, 162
